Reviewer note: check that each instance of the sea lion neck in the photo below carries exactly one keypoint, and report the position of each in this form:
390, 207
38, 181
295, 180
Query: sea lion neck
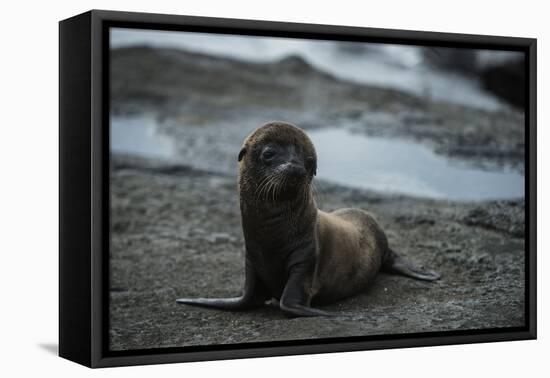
265, 208
281, 215
271, 225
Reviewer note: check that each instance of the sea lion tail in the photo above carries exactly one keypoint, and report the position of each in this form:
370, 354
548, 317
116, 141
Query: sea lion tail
394, 263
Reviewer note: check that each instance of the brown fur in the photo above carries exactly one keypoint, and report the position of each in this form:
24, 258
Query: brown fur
295, 252
350, 246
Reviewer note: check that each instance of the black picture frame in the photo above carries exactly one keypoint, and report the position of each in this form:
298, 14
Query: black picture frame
84, 189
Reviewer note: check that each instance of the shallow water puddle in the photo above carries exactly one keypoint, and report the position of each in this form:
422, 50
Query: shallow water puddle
401, 166
387, 165
138, 136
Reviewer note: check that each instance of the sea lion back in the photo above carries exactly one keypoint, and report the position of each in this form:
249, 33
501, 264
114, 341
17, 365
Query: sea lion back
352, 247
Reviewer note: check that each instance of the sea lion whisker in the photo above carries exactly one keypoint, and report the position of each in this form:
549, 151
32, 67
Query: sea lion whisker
270, 184
264, 189
273, 186
318, 192
259, 188
281, 184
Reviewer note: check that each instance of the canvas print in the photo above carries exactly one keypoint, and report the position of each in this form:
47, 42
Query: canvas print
268, 189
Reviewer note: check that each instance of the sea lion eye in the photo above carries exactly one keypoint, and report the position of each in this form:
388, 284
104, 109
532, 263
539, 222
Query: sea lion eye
268, 154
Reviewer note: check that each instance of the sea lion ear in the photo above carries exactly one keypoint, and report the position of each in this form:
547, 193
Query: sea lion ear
241, 154
311, 164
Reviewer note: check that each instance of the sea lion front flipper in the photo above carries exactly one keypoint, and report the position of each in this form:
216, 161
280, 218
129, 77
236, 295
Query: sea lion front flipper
295, 301
396, 264
254, 295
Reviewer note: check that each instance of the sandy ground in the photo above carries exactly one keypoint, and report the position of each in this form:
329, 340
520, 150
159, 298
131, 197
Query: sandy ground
177, 233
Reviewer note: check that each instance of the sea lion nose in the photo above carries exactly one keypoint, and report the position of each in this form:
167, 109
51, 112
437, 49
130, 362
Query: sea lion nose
294, 168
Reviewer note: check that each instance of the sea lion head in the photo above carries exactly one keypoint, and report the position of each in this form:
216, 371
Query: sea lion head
277, 161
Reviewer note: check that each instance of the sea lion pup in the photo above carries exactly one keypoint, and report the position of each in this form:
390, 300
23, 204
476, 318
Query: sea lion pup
294, 252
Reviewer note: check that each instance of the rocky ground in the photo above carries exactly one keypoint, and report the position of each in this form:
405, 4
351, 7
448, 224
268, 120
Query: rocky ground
177, 233
176, 228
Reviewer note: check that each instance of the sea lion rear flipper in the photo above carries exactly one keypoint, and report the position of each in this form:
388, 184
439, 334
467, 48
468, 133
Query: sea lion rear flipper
396, 264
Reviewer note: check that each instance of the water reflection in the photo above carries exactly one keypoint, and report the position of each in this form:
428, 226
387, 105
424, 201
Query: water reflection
383, 164
401, 166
